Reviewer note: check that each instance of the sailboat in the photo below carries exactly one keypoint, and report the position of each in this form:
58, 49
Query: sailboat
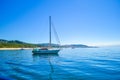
49, 49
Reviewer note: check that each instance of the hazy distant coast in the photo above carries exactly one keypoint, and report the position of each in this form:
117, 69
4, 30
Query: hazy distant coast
17, 45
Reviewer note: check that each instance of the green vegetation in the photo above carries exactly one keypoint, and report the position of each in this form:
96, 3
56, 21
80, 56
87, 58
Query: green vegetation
20, 44
15, 44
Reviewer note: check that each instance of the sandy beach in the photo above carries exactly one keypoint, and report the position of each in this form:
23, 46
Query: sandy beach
14, 48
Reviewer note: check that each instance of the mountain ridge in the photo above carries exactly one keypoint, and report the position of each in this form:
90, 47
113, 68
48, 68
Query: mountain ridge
16, 43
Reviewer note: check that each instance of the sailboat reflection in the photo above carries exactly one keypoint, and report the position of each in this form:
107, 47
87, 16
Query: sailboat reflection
37, 57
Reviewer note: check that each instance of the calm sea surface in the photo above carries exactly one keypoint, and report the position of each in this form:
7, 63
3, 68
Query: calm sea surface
69, 64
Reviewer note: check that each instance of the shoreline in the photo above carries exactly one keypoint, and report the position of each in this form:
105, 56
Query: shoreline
14, 48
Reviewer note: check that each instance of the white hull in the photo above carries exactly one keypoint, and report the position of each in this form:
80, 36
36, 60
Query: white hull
39, 51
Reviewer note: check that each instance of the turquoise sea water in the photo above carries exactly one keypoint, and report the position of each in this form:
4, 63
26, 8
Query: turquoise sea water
69, 64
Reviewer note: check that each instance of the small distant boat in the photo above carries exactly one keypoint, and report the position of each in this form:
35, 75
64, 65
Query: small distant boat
22, 49
47, 50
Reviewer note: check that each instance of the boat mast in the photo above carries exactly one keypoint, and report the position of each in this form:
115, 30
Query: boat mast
49, 31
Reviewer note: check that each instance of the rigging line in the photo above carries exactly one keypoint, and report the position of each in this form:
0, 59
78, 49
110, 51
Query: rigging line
56, 35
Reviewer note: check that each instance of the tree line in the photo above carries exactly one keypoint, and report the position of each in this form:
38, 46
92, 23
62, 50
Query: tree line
15, 44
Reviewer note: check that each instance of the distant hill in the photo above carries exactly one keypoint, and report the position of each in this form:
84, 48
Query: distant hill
76, 46
19, 44
15, 44
65, 46
47, 45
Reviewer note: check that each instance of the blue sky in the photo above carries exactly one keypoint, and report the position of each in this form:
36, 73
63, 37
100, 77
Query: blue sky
91, 22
